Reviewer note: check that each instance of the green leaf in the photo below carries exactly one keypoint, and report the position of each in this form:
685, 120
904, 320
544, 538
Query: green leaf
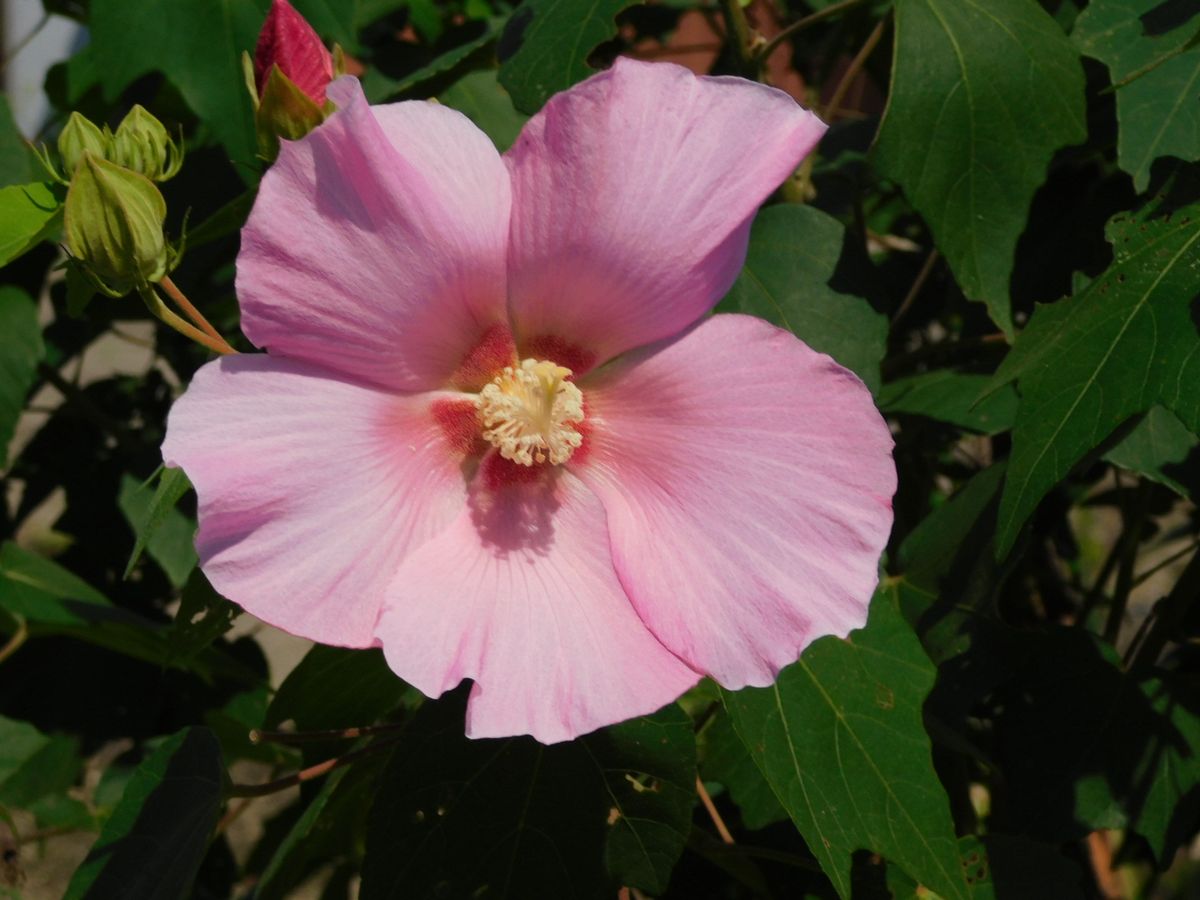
793, 253
17, 163
379, 87
197, 44
555, 38
1157, 79
1088, 746
840, 738
34, 765
20, 352
983, 94
40, 590
478, 95
1163, 450
203, 616
336, 688
333, 821
159, 528
724, 760
1086, 364
152, 845
952, 397
29, 213
457, 818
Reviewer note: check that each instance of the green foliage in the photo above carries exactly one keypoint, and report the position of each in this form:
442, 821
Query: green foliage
17, 164
793, 253
553, 39
479, 96
869, 782
1123, 344
1156, 76
34, 765
29, 213
957, 398
969, 130
465, 817
20, 352
1162, 449
159, 527
154, 841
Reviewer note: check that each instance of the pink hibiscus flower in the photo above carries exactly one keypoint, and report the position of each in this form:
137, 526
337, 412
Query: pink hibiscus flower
494, 431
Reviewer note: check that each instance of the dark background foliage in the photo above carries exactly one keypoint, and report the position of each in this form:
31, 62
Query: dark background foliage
1000, 234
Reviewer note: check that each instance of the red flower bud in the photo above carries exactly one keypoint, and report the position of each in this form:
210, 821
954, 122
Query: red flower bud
288, 41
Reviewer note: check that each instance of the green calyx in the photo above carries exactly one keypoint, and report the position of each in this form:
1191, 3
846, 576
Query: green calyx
81, 136
142, 144
284, 111
113, 224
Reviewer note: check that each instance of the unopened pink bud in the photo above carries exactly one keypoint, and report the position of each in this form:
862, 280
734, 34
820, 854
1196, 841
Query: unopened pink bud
288, 41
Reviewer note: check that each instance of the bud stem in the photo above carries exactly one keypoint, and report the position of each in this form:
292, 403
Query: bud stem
194, 314
322, 768
155, 304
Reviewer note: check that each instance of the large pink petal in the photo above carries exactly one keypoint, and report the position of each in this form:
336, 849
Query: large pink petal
748, 484
312, 489
377, 244
520, 595
632, 197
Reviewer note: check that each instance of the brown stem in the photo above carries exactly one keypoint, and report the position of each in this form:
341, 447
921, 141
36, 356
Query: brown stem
190, 310
258, 736
321, 768
856, 65
713, 814
13, 644
799, 25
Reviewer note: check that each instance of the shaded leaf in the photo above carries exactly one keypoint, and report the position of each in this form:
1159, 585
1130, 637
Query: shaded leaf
983, 94
40, 590
478, 95
840, 738
1157, 78
1163, 450
793, 252
152, 845
725, 760
29, 213
160, 528
20, 352
953, 397
1086, 364
379, 87
553, 40
455, 817
203, 616
34, 765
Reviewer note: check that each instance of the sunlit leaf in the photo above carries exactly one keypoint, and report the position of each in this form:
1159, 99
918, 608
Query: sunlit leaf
953, 397
840, 739
1157, 78
29, 213
793, 252
1086, 364
552, 40
984, 92
159, 527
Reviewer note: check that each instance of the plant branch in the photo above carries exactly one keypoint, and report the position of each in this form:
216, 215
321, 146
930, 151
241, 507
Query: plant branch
13, 644
312, 772
918, 284
796, 27
711, 809
258, 736
856, 64
1131, 538
742, 36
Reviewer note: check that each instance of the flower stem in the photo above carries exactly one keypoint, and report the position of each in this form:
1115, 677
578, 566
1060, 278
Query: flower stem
258, 736
321, 768
796, 27
155, 304
194, 314
13, 644
743, 38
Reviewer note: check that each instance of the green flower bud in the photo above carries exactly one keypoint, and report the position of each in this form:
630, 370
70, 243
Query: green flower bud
284, 111
113, 224
142, 144
82, 136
